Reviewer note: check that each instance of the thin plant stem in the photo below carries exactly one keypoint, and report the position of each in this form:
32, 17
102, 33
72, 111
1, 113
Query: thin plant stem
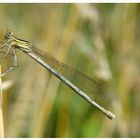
1, 110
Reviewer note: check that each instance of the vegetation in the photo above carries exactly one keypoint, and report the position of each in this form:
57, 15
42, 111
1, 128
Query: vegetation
101, 40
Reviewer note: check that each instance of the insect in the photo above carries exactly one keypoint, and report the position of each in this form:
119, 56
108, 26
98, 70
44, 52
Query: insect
81, 84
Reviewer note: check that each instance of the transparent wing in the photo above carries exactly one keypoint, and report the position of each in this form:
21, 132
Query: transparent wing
88, 85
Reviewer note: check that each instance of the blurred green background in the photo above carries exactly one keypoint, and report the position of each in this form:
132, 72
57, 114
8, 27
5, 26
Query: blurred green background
101, 40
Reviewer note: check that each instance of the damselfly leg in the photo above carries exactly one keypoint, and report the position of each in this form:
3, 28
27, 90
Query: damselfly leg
2, 46
4, 57
9, 47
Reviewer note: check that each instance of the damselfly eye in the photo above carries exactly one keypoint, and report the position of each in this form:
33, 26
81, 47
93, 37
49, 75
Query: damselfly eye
8, 35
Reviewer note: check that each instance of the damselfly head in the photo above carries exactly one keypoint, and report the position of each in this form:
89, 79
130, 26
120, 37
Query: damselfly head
8, 35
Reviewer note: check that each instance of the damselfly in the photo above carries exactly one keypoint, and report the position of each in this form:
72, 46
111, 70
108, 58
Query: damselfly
57, 68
